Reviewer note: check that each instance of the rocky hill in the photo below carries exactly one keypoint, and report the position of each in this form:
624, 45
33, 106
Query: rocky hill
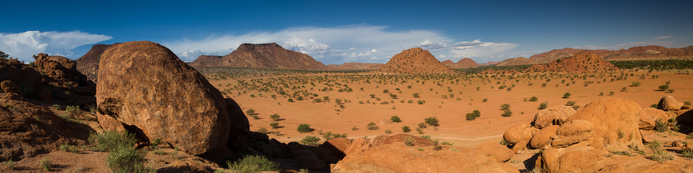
268, 55
580, 62
633, 53
355, 66
415, 60
463, 63
88, 64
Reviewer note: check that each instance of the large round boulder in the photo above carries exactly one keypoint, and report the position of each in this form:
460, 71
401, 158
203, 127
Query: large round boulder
518, 133
152, 93
543, 137
650, 116
615, 121
669, 103
495, 151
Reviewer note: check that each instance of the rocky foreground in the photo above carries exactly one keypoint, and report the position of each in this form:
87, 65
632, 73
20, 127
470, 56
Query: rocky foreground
145, 90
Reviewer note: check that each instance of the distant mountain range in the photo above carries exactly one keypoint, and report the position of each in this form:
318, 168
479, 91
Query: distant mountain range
633, 53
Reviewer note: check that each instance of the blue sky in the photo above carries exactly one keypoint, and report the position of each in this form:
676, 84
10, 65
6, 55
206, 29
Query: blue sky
335, 32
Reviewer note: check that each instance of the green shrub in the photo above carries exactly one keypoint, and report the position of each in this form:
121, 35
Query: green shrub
416, 95
310, 140
388, 131
406, 129
73, 110
687, 153
253, 164
419, 130
507, 113
422, 125
570, 103
274, 117
661, 126
262, 130
250, 112
46, 164
372, 126
433, 121
663, 87
304, 128
9, 164
436, 145
127, 160
505, 106
533, 99
635, 84
503, 142
274, 125
69, 148
409, 141
395, 119
566, 95
543, 105
111, 140
473, 115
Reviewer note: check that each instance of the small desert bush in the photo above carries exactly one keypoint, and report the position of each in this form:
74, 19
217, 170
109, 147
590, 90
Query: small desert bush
250, 112
406, 129
262, 130
436, 145
409, 141
9, 164
127, 160
543, 105
73, 110
505, 106
372, 126
274, 117
395, 119
570, 103
69, 148
566, 95
507, 113
310, 140
46, 164
687, 153
304, 128
661, 126
433, 121
420, 130
111, 140
635, 84
658, 154
252, 164
422, 125
473, 115
274, 125
533, 99
388, 131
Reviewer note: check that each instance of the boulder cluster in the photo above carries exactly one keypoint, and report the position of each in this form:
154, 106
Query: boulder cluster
581, 141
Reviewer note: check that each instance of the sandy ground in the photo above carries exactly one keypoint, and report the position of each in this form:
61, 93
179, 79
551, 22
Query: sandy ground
450, 112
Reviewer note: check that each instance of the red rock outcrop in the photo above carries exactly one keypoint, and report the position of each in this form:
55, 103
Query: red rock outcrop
88, 64
27, 129
146, 88
633, 53
268, 55
463, 63
62, 73
415, 61
580, 62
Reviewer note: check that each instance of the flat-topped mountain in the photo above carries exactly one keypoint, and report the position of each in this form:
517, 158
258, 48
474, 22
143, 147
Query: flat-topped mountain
415, 60
580, 62
633, 53
268, 55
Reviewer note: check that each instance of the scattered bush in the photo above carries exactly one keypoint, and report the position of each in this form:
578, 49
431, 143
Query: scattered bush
274, 125
406, 129
275, 117
128, 160
533, 99
566, 95
409, 141
252, 164
661, 126
388, 131
372, 126
663, 87
9, 164
687, 153
262, 130
570, 103
543, 105
658, 154
46, 164
250, 112
73, 110
505, 106
433, 121
422, 125
310, 140
507, 113
473, 115
111, 140
304, 128
635, 84
395, 119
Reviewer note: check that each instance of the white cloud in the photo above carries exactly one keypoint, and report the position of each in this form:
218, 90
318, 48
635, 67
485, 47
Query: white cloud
24, 45
661, 37
476, 49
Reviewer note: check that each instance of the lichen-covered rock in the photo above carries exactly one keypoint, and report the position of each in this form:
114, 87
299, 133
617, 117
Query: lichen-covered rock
155, 95
553, 115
